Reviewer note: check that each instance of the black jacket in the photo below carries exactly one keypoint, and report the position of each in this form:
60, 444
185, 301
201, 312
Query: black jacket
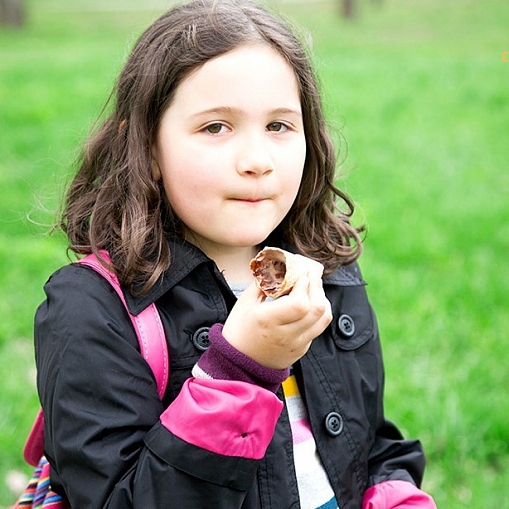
103, 437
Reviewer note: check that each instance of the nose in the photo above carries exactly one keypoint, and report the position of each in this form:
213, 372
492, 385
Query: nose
254, 157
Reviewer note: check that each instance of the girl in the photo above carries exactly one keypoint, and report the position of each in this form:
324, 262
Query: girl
215, 147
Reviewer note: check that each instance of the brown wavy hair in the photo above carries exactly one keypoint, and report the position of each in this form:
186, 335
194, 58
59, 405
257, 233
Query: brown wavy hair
114, 202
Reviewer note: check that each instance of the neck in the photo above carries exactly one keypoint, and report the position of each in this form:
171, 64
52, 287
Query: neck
234, 263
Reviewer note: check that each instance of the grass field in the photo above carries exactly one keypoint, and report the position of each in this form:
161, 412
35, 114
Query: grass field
420, 94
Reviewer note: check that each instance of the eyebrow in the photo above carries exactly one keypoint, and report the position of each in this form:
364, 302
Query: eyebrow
229, 110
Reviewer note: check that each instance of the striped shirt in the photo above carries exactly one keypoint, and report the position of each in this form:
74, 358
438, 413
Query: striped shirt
315, 491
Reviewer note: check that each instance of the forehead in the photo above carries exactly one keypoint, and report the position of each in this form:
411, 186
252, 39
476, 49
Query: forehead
254, 75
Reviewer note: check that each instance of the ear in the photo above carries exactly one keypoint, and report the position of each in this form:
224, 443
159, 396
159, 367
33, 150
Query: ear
156, 170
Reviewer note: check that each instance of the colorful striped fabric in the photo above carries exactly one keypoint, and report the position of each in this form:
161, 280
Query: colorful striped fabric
38, 494
314, 488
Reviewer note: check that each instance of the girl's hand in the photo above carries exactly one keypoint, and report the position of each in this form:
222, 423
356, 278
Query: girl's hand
278, 333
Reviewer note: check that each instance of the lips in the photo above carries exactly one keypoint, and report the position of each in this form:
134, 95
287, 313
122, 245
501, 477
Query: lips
251, 198
250, 202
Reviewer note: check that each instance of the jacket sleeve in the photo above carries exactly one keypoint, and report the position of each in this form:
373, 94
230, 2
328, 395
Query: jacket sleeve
109, 439
396, 467
392, 457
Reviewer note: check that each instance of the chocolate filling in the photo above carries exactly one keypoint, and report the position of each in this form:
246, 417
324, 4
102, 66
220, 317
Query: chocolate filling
270, 273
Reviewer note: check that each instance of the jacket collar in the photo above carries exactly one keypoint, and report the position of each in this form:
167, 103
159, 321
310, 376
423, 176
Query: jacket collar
186, 257
346, 275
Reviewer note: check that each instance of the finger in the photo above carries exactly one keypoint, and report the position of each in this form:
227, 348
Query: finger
320, 314
316, 291
301, 286
320, 319
315, 270
292, 307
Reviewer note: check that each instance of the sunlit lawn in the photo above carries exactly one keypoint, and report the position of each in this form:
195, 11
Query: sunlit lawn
420, 94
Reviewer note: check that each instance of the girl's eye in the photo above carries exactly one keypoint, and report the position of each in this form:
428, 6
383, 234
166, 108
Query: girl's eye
216, 128
276, 127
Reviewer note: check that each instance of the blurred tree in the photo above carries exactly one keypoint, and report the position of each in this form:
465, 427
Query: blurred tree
12, 12
348, 8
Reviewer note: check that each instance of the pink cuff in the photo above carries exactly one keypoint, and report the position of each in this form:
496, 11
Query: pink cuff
396, 495
224, 416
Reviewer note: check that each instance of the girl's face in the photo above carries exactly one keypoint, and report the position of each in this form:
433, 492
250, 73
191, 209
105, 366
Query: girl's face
231, 148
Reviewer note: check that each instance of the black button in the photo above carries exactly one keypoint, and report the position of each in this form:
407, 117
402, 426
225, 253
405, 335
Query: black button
201, 338
334, 424
346, 326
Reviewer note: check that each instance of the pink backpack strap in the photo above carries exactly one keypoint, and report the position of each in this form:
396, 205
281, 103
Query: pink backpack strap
34, 446
153, 347
147, 324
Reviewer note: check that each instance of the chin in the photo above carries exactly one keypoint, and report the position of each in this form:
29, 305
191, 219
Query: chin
251, 241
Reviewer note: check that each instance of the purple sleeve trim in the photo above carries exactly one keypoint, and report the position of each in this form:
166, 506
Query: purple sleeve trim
225, 362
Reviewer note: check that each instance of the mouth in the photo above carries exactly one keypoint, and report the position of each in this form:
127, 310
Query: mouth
253, 200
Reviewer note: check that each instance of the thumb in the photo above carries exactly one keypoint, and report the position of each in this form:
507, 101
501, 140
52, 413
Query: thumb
301, 286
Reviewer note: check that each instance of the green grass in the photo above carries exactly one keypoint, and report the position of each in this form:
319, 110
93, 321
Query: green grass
419, 91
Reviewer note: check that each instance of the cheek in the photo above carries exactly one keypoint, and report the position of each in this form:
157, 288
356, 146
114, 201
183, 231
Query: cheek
188, 185
295, 177
180, 173
295, 168
185, 199
184, 188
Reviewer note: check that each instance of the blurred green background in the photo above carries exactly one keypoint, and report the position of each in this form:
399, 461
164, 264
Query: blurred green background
418, 94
